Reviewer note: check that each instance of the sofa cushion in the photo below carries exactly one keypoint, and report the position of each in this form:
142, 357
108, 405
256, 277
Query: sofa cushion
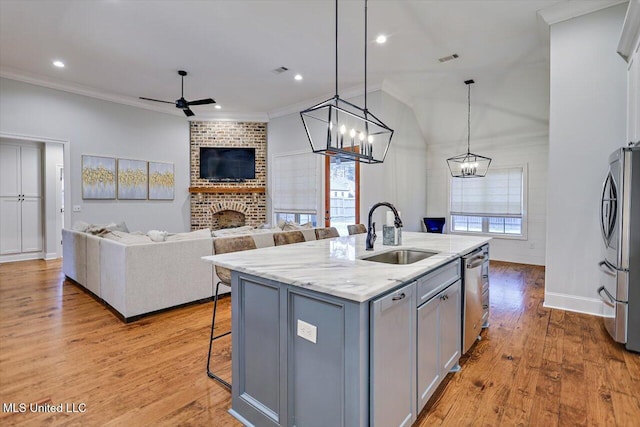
232, 231
198, 234
127, 238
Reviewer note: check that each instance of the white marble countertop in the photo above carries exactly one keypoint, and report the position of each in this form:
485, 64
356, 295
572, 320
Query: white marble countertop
333, 266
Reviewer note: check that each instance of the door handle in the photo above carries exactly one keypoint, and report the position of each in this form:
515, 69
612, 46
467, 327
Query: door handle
607, 268
398, 297
475, 263
611, 301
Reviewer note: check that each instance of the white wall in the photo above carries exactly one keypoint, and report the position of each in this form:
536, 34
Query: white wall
587, 123
400, 180
97, 127
509, 124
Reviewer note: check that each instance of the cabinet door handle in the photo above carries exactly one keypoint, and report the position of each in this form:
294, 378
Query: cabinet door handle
398, 297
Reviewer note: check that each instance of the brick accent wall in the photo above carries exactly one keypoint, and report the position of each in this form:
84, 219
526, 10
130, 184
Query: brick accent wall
228, 134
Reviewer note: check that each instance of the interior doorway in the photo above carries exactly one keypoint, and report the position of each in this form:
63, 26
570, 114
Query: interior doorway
59, 206
342, 193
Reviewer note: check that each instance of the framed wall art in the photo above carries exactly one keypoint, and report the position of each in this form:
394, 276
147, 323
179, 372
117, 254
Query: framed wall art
161, 181
132, 179
98, 177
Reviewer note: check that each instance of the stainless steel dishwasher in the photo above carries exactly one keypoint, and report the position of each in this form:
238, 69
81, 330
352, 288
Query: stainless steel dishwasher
475, 266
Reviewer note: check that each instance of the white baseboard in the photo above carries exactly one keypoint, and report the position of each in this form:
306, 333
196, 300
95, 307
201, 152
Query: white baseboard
592, 306
51, 255
21, 257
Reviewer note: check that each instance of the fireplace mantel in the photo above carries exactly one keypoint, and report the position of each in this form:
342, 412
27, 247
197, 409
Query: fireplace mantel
221, 190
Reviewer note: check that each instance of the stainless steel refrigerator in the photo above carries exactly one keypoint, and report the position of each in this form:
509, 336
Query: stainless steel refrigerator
620, 226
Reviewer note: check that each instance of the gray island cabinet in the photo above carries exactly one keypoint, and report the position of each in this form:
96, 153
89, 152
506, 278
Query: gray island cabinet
322, 337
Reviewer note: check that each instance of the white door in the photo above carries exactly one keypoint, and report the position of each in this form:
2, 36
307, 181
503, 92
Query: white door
30, 171
9, 170
10, 240
21, 227
31, 224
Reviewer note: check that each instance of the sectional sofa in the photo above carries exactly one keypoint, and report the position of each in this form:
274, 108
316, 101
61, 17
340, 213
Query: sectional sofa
135, 276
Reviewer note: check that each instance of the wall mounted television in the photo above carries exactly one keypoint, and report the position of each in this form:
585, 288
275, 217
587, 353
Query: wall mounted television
227, 164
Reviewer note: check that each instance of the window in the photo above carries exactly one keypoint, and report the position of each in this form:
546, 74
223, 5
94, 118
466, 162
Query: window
295, 187
296, 217
494, 205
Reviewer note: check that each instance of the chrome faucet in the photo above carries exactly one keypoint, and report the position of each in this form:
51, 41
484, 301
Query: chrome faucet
371, 230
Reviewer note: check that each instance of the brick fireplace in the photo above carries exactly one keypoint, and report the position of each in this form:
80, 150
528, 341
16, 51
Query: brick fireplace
218, 205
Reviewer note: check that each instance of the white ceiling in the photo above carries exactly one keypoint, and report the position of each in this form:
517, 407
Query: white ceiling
120, 50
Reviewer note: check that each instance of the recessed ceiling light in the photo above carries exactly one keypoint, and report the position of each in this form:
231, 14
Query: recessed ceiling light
58, 64
298, 77
217, 107
381, 39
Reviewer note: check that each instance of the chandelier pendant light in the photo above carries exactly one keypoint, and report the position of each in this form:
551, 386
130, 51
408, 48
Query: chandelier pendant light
339, 128
469, 165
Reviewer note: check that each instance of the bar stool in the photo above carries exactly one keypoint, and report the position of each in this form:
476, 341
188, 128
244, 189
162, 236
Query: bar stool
356, 229
326, 233
221, 246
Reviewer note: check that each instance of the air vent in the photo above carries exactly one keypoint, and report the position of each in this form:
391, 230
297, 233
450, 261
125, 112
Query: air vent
280, 70
448, 58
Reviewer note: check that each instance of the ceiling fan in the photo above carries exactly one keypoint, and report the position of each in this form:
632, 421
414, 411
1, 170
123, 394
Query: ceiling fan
182, 103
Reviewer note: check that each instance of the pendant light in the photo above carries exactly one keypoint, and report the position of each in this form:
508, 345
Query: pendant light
339, 128
469, 165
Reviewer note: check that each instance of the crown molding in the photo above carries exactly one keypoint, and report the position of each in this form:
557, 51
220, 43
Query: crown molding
629, 38
49, 83
573, 8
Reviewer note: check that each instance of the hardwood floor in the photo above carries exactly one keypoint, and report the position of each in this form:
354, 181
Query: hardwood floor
58, 345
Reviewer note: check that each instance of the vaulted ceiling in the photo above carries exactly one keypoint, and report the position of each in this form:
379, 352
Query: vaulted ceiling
121, 50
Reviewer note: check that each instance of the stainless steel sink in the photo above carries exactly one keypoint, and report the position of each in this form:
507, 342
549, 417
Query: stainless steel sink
400, 256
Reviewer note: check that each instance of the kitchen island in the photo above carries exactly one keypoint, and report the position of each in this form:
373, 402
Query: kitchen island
323, 337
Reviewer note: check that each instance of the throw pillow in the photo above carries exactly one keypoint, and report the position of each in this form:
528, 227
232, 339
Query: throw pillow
157, 235
290, 226
80, 226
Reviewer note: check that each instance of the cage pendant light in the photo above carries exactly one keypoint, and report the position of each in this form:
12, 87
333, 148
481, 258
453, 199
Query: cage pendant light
468, 165
339, 128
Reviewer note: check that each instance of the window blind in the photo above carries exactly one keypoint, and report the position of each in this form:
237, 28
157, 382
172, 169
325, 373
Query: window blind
295, 183
499, 193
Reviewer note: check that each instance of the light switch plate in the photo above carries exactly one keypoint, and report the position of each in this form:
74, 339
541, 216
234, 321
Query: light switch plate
307, 331
77, 208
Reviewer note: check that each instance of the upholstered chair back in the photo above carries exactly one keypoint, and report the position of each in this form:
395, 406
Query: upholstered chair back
288, 237
223, 245
326, 233
356, 229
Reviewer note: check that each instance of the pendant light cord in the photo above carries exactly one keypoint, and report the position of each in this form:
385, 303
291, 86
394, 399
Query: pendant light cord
468, 118
366, 112
336, 48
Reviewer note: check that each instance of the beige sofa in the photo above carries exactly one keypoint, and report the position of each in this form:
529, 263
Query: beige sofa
136, 276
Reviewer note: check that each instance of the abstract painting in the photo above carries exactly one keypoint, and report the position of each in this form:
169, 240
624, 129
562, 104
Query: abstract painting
98, 177
161, 181
132, 179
